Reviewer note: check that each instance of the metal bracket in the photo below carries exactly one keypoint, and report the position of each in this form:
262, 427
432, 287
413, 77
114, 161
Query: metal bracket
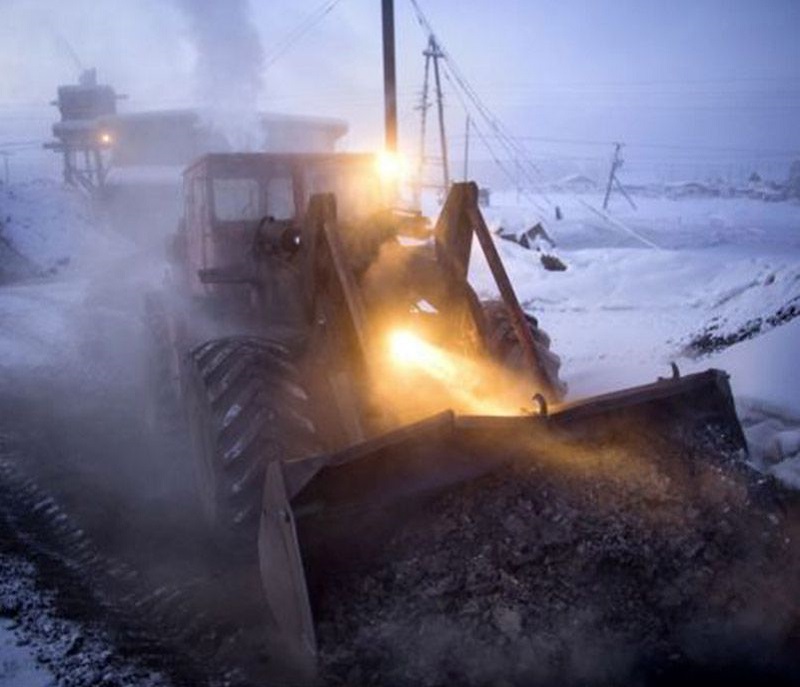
541, 401
676, 373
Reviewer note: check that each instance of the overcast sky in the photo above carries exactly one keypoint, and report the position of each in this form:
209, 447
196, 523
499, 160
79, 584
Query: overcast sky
671, 72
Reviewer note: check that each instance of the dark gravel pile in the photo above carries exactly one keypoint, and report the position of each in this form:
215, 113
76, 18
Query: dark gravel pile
714, 338
612, 565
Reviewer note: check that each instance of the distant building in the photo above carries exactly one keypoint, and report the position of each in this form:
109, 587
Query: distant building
77, 137
94, 138
176, 137
132, 162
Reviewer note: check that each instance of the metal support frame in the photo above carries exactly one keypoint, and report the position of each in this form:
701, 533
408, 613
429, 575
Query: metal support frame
459, 219
515, 313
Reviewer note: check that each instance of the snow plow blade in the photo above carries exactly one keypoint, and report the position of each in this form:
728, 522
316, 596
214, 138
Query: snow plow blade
332, 512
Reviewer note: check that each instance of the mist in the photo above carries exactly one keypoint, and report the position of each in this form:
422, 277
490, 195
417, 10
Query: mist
689, 74
229, 61
148, 398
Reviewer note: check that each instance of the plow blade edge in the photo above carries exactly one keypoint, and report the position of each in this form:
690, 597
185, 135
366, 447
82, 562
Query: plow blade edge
331, 512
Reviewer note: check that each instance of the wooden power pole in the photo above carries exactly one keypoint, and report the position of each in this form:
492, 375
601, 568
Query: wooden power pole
423, 107
389, 76
433, 54
616, 163
436, 55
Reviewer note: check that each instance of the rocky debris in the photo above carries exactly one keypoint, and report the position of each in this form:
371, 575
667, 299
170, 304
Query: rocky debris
76, 653
585, 566
713, 339
93, 619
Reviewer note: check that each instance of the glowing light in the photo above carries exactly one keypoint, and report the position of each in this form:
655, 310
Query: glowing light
462, 383
409, 350
390, 166
405, 347
106, 138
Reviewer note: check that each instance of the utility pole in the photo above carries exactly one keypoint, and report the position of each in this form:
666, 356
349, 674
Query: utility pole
423, 107
613, 181
436, 55
432, 55
389, 76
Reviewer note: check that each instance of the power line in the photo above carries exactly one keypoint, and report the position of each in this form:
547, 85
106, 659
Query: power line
516, 150
292, 38
519, 156
510, 176
9, 145
656, 82
658, 146
556, 90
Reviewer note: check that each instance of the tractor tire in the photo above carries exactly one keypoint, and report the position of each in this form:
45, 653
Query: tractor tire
505, 347
163, 413
245, 408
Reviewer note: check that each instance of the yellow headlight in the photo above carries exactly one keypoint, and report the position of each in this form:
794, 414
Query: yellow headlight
390, 166
409, 350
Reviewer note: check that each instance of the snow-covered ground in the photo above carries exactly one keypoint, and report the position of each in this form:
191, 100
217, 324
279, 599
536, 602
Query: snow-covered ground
39, 647
623, 310
638, 290
18, 665
620, 313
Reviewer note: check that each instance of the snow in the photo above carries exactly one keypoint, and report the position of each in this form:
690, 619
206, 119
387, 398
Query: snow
54, 227
622, 312
40, 646
765, 378
618, 315
18, 665
765, 369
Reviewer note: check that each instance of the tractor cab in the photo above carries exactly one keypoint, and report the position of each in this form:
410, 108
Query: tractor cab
237, 203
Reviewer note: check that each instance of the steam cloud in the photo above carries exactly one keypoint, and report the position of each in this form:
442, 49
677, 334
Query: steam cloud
230, 58
229, 67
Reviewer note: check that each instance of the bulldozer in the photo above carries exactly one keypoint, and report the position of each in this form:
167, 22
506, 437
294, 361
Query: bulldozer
335, 367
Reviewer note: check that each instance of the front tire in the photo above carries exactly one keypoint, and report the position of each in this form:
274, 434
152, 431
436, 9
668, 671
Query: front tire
246, 408
506, 348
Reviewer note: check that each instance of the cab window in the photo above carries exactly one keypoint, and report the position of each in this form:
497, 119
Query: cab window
236, 200
280, 198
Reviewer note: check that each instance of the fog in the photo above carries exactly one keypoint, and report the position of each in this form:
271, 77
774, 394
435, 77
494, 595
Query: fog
666, 77
693, 88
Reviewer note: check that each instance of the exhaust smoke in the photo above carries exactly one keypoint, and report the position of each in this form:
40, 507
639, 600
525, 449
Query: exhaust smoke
228, 71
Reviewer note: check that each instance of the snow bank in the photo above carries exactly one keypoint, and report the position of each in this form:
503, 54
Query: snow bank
765, 377
18, 665
621, 313
53, 227
766, 368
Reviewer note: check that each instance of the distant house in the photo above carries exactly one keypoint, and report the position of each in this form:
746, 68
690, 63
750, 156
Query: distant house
176, 137
576, 183
690, 189
95, 139
148, 152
